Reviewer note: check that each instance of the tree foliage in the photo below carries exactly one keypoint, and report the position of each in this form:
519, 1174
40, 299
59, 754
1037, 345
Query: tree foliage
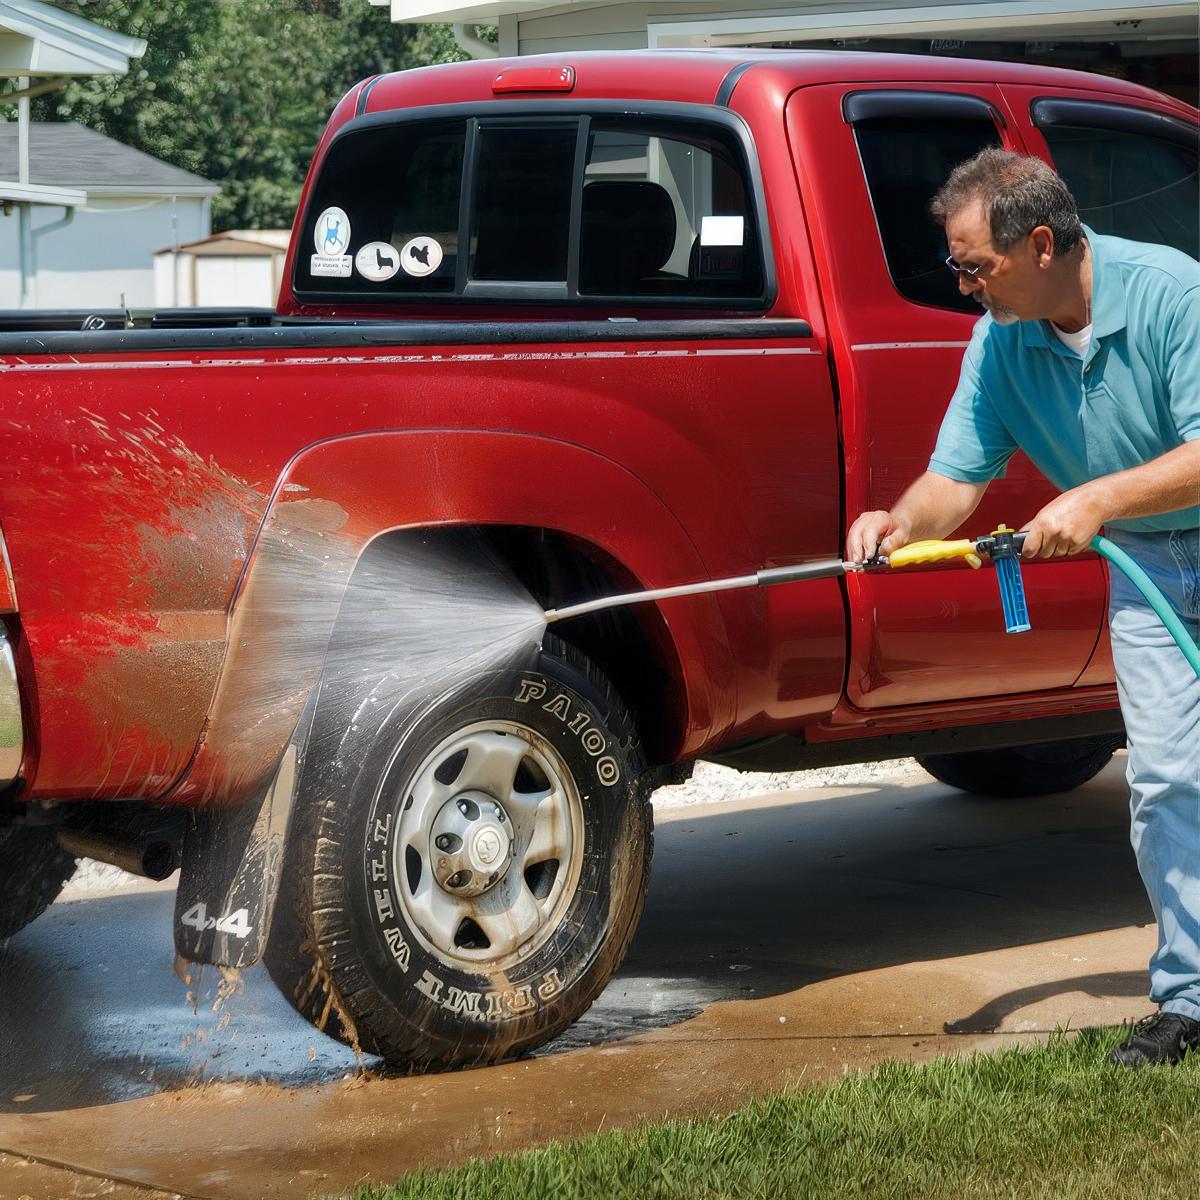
238, 90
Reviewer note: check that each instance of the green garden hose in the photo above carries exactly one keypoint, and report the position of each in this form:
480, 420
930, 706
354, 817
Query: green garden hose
1154, 598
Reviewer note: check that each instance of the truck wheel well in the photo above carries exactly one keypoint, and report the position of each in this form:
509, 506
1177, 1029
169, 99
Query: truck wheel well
631, 646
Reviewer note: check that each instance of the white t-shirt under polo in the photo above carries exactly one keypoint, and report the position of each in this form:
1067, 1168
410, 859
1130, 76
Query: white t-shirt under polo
1074, 341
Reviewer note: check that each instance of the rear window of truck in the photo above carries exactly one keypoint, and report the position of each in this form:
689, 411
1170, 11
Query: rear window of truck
535, 208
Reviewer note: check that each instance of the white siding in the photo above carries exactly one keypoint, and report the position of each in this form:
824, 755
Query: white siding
624, 26
610, 27
106, 252
614, 27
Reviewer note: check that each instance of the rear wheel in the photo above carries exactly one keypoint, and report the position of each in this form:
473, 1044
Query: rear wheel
466, 879
1023, 770
33, 870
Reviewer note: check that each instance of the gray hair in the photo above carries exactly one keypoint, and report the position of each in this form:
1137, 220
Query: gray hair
1018, 194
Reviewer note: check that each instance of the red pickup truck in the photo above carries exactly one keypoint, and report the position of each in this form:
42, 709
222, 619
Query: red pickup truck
589, 324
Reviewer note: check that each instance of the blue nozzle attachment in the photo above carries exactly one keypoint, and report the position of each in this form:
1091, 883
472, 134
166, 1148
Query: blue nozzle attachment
1012, 595
1004, 548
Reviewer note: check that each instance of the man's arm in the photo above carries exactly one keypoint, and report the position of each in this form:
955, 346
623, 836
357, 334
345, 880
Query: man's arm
1069, 522
932, 507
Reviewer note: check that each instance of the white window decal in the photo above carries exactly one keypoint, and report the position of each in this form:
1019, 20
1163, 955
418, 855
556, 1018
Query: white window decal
722, 231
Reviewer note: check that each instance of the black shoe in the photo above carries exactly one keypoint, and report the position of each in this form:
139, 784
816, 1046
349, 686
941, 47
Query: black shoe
1163, 1038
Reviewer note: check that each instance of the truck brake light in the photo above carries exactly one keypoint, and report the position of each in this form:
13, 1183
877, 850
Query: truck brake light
534, 79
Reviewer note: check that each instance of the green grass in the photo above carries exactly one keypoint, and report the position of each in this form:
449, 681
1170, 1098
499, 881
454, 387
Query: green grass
1050, 1123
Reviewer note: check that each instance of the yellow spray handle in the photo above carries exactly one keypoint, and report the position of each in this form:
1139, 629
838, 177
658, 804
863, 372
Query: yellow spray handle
934, 551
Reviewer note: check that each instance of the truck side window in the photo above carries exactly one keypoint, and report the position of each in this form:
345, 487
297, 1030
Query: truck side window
665, 213
906, 160
1129, 184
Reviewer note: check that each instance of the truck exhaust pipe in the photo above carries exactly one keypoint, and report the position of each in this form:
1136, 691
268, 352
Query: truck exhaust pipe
150, 857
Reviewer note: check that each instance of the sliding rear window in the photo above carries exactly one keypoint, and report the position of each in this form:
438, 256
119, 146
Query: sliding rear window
529, 208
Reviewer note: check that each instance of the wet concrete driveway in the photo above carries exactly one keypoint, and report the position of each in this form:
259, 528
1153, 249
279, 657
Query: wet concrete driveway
784, 937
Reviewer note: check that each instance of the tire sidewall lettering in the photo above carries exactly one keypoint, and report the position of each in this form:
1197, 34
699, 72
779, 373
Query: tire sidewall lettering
576, 719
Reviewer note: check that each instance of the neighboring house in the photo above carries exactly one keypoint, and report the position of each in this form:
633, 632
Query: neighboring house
1153, 42
98, 253
239, 267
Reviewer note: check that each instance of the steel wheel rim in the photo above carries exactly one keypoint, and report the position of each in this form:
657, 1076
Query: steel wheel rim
516, 769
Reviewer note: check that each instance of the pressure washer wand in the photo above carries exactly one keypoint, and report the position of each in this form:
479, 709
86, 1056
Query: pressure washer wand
1003, 546
767, 577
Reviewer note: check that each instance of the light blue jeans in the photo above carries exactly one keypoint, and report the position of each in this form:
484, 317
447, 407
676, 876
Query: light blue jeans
1160, 701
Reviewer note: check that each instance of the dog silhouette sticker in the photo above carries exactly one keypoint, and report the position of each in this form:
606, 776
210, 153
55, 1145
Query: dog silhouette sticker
421, 256
377, 261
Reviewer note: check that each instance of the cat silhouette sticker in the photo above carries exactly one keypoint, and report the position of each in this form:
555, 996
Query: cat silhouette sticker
421, 256
377, 261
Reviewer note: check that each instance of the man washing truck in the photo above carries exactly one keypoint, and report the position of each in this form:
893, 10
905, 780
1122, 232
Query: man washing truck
537, 313
1088, 359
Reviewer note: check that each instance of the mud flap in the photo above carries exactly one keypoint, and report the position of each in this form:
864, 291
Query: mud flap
232, 859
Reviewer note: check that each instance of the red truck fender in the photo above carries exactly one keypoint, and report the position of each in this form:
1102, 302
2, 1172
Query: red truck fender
337, 496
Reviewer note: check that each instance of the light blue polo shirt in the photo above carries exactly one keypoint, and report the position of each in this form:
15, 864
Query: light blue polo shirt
1134, 397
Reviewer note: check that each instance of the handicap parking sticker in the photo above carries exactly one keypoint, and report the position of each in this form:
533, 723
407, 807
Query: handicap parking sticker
377, 261
421, 256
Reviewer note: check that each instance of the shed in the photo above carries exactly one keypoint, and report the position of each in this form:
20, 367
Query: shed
238, 268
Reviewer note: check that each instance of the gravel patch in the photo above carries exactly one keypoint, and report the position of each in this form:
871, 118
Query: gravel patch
95, 878
710, 784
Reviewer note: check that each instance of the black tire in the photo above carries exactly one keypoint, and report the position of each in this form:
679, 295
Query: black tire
345, 947
1018, 771
33, 870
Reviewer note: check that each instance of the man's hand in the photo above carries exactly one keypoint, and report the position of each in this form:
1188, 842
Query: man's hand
931, 507
876, 533
1066, 525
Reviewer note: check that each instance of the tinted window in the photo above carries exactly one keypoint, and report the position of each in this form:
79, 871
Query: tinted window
398, 187
533, 209
906, 161
1130, 185
523, 203
665, 215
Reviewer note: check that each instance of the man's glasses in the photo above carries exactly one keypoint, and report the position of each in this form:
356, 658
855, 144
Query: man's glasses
958, 269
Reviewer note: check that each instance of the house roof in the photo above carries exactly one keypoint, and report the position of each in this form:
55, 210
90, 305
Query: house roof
64, 154
235, 242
